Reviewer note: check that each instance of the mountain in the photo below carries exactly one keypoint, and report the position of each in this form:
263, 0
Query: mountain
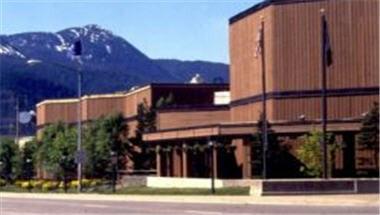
39, 65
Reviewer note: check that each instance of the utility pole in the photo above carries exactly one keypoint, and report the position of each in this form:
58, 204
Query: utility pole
17, 133
79, 155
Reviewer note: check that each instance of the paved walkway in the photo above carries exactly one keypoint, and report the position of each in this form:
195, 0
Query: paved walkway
316, 200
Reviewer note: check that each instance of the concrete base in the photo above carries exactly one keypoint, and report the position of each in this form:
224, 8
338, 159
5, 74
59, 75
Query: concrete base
172, 182
314, 186
265, 187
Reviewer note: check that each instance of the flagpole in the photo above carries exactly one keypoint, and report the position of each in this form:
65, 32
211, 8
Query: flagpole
324, 96
264, 99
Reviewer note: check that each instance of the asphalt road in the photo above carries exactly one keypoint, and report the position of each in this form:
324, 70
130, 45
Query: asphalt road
13, 206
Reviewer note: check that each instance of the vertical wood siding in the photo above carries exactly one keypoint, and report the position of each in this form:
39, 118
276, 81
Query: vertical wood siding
292, 40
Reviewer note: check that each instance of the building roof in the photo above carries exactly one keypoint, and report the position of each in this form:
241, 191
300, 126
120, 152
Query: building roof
127, 93
263, 5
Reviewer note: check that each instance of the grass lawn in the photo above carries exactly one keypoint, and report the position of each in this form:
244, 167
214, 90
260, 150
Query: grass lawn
182, 191
140, 191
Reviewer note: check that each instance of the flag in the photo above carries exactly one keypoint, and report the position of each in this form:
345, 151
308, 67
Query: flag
259, 42
77, 49
326, 47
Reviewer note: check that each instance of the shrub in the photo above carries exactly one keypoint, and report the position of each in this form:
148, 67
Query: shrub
86, 182
18, 183
74, 184
2, 182
95, 182
26, 185
49, 185
37, 183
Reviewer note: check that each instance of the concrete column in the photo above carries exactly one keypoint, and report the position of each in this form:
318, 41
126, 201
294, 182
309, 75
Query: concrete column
184, 160
177, 163
247, 159
167, 159
243, 156
158, 161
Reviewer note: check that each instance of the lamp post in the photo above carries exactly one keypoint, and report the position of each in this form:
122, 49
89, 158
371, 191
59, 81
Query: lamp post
211, 145
77, 53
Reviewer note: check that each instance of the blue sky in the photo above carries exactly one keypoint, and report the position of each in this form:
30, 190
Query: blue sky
187, 30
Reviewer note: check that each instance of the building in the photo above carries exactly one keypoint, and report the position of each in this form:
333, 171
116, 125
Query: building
291, 59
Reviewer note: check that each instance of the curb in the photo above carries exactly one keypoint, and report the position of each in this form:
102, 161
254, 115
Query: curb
317, 200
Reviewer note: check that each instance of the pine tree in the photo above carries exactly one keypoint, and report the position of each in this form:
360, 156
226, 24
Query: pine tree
146, 122
258, 147
368, 137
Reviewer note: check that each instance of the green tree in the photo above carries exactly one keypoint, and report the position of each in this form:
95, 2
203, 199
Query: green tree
146, 122
58, 149
105, 138
310, 153
9, 159
368, 137
28, 159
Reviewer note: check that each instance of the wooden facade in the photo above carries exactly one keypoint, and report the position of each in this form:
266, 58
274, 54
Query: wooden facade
292, 40
174, 118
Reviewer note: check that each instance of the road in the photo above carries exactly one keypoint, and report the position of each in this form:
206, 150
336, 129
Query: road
30, 206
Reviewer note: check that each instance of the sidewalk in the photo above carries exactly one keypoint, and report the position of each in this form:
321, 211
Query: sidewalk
316, 200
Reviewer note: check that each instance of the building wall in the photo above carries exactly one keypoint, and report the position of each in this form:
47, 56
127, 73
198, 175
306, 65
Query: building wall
65, 110
131, 100
292, 59
185, 118
95, 107
185, 98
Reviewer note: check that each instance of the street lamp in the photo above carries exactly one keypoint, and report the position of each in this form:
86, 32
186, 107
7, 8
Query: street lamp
79, 157
211, 145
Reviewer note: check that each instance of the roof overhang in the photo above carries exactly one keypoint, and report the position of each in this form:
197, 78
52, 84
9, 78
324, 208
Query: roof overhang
240, 129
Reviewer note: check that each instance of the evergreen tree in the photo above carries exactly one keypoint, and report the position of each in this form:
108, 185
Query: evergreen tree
257, 148
368, 137
9, 159
146, 122
28, 159
105, 138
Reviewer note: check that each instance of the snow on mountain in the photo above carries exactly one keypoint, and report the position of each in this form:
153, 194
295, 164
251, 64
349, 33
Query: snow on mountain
9, 51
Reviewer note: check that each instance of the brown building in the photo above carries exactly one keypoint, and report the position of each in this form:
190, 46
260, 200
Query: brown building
292, 62
185, 109
291, 59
